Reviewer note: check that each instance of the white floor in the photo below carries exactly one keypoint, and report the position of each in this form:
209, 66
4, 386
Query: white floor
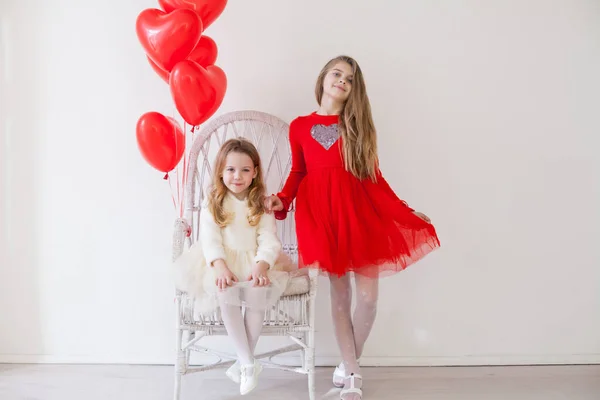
116, 382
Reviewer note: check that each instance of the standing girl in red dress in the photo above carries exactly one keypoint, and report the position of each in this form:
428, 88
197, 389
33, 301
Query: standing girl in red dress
348, 219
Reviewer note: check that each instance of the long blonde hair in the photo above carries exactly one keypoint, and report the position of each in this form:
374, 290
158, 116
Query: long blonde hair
218, 191
356, 127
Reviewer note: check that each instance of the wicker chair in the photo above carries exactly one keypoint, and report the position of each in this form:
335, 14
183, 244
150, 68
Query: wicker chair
294, 315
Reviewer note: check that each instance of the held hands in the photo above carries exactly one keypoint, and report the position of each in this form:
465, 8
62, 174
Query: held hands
259, 274
273, 203
224, 276
422, 216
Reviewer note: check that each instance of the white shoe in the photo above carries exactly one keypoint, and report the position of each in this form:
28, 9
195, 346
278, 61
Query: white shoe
339, 375
233, 372
352, 388
249, 377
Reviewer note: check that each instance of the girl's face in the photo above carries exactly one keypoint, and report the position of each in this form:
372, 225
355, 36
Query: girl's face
337, 83
238, 173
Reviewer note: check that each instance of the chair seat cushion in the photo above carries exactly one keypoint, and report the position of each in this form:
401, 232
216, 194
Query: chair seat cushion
297, 285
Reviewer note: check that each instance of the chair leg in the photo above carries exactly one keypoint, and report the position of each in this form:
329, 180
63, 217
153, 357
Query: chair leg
177, 391
303, 352
191, 336
310, 364
303, 359
179, 366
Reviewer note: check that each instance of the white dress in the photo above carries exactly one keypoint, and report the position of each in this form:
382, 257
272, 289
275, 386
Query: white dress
241, 246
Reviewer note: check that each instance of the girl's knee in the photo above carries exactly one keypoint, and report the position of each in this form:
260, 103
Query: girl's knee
340, 287
368, 298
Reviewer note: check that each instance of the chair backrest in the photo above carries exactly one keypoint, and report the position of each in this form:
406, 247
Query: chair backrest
270, 136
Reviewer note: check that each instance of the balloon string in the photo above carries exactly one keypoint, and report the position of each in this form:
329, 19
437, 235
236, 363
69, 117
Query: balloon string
178, 195
183, 184
187, 158
177, 145
168, 178
184, 178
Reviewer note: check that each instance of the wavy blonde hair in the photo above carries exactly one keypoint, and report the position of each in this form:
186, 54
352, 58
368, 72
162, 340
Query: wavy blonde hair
218, 191
356, 127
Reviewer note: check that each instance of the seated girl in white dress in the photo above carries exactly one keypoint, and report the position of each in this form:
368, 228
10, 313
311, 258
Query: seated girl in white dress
238, 260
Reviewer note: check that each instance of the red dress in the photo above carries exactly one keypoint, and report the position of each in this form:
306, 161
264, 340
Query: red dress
343, 223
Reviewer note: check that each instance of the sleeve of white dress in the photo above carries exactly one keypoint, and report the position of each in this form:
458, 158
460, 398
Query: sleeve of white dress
269, 245
210, 237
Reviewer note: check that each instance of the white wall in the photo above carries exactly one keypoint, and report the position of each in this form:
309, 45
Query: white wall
486, 122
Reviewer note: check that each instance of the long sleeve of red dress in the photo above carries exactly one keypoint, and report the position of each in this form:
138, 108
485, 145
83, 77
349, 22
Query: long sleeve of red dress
297, 173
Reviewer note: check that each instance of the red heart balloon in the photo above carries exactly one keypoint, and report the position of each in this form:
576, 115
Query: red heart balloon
204, 54
209, 10
161, 72
174, 122
160, 140
197, 91
168, 38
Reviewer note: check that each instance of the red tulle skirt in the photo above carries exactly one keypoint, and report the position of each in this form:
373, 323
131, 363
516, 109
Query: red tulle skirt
344, 224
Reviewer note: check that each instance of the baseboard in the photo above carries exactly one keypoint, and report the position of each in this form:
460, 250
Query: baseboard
326, 361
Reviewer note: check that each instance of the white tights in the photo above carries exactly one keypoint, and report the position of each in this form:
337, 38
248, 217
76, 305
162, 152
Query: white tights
352, 333
243, 329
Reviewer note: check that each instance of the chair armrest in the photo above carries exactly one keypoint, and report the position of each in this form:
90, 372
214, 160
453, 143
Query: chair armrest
180, 232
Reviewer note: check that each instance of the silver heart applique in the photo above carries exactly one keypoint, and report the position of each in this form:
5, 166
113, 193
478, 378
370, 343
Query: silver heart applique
326, 136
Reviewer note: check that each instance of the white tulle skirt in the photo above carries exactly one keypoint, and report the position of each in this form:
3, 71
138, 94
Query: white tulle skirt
193, 276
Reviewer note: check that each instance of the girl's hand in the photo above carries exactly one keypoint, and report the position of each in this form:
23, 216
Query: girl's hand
273, 203
224, 276
422, 216
259, 274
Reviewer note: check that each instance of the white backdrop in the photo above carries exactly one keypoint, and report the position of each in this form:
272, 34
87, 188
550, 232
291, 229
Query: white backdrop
487, 119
